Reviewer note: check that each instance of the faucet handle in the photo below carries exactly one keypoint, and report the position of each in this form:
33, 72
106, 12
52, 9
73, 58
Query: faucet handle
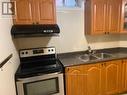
94, 51
89, 49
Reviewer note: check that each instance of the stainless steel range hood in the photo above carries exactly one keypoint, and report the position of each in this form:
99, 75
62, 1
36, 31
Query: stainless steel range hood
35, 30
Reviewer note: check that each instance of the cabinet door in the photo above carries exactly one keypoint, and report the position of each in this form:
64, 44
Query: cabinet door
112, 77
98, 16
45, 11
114, 12
124, 17
24, 12
93, 79
124, 76
74, 80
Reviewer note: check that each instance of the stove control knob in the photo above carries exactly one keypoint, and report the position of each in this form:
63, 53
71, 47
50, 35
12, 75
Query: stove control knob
26, 52
52, 50
49, 50
22, 52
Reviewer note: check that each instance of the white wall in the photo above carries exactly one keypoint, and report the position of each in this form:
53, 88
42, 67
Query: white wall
70, 39
7, 84
103, 41
123, 40
72, 36
123, 43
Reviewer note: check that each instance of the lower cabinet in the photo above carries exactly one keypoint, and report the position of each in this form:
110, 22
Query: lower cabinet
94, 79
112, 77
123, 86
75, 80
125, 74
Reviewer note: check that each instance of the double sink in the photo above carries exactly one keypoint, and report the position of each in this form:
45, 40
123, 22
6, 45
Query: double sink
96, 56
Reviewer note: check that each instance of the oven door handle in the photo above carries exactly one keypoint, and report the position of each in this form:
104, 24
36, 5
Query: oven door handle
40, 74
39, 77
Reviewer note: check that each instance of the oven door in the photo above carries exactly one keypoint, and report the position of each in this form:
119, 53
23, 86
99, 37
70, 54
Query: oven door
51, 84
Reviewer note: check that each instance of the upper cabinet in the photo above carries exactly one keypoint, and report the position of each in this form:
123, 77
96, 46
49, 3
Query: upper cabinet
95, 16
113, 16
35, 12
24, 12
46, 12
124, 17
102, 16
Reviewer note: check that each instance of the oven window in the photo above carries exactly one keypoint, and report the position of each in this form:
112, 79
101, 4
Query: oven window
44, 87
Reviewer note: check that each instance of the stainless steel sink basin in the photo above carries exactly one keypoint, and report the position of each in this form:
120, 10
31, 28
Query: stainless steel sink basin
96, 56
87, 57
103, 55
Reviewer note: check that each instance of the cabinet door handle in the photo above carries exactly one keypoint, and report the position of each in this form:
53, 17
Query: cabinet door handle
122, 61
37, 22
105, 64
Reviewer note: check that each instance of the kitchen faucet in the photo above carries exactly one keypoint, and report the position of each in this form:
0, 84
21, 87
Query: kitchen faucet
90, 51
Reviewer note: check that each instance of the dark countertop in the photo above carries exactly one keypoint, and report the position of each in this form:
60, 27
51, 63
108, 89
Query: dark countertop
72, 59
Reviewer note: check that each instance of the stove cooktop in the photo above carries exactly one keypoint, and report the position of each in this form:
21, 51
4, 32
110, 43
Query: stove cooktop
38, 61
34, 71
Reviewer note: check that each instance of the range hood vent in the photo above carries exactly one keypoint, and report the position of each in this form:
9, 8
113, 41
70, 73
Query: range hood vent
35, 30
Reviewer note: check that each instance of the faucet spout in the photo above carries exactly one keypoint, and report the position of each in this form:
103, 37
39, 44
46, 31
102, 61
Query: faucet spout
90, 51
